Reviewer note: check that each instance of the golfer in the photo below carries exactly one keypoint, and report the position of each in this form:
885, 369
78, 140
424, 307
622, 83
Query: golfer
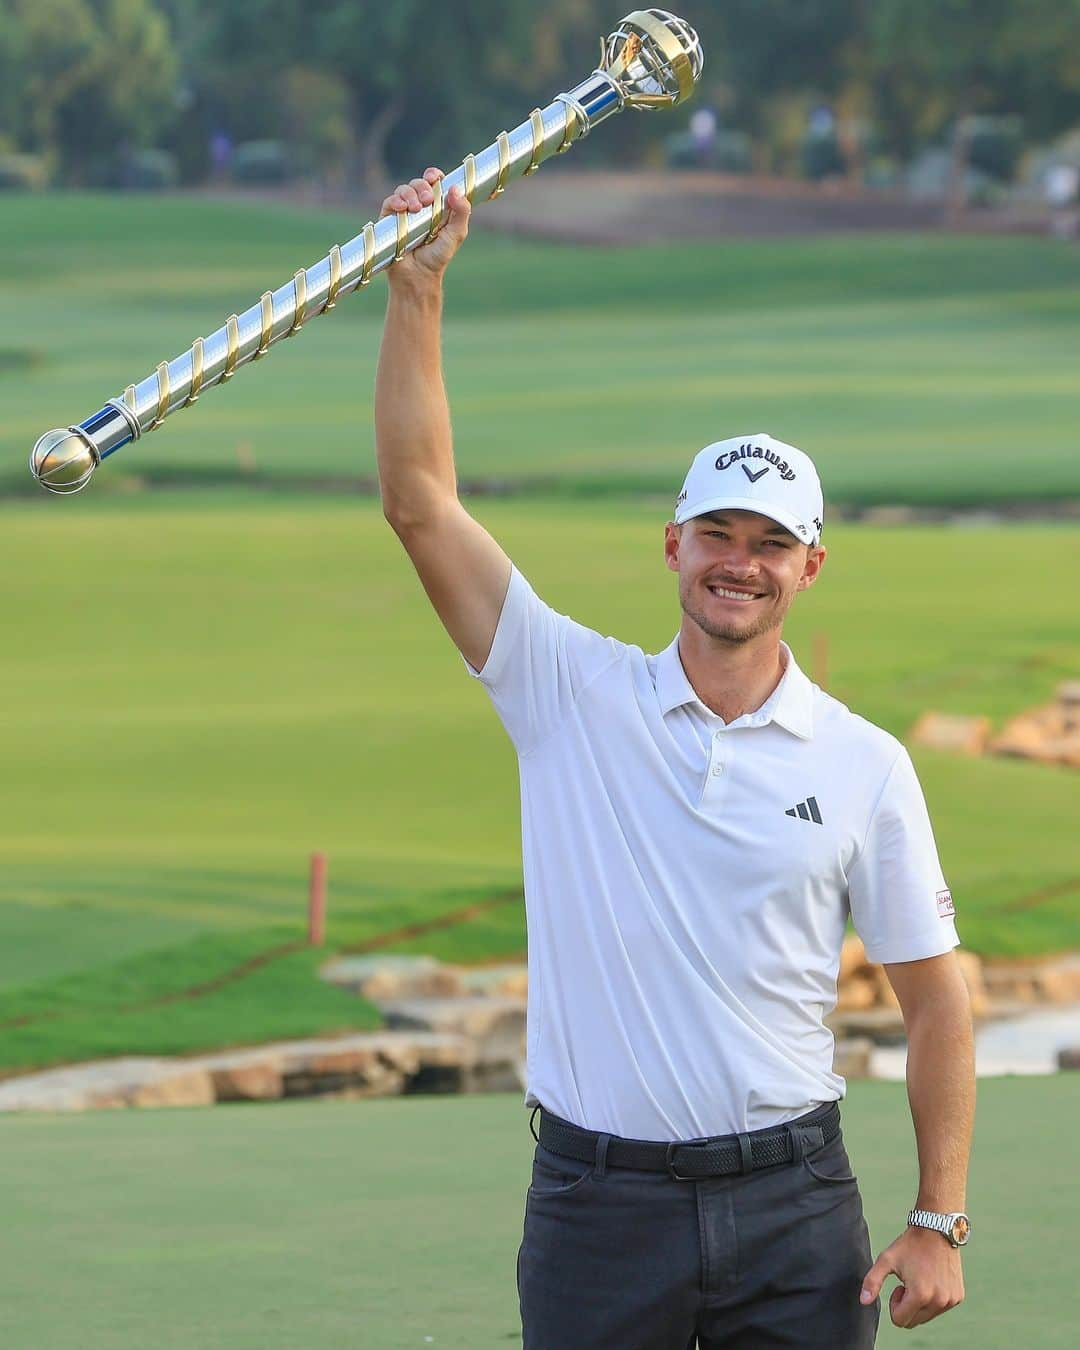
696, 827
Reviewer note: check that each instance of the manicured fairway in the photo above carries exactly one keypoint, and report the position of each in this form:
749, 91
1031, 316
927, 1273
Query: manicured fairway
393, 1224
206, 688
914, 368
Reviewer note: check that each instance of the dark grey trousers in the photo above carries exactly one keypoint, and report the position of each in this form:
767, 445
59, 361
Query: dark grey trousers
617, 1259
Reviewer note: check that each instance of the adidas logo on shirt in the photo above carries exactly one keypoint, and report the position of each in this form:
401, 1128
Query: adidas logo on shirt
807, 810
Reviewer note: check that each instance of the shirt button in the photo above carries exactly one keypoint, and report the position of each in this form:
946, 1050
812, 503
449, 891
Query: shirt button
717, 770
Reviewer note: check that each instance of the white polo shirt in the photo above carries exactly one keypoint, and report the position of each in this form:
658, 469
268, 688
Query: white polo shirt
687, 880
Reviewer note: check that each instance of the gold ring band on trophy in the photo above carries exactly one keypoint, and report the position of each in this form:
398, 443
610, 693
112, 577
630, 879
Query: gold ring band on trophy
369, 254
196, 372
574, 113
436, 210
266, 325
504, 166
163, 395
536, 122
335, 278
299, 301
402, 235
232, 347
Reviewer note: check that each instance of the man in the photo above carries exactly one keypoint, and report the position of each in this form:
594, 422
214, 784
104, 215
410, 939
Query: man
697, 826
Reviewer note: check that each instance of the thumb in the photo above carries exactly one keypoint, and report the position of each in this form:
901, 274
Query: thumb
459, 209
876, 1277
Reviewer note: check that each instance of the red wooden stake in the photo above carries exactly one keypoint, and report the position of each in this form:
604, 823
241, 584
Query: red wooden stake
317, 901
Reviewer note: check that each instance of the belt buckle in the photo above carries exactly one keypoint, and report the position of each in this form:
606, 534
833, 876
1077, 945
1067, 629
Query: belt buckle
668, 1158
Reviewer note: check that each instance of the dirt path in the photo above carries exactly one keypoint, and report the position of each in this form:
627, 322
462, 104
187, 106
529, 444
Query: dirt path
586, 206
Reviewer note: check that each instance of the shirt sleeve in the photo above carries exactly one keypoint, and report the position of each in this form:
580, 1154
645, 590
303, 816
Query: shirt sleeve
900, 905
538, 664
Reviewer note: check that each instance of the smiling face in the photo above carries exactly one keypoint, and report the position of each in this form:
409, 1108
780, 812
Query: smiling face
738, 572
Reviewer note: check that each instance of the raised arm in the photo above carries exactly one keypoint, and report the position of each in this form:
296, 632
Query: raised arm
463, 570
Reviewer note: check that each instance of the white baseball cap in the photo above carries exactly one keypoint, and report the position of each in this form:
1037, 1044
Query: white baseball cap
755, 473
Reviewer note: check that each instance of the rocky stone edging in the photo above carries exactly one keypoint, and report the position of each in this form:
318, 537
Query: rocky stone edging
462, 1029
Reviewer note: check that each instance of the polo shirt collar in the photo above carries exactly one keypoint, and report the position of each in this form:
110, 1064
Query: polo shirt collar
790, 705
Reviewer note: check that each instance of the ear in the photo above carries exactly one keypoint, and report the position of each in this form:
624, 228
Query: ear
672, 536
815, 561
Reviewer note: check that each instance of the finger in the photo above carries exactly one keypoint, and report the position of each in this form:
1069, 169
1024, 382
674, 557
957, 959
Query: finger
408, 195
459, 204
875, 1278
396, 201
909, 1307
433, 175
423, 191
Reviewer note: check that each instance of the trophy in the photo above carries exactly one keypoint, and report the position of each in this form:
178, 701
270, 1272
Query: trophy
652, 60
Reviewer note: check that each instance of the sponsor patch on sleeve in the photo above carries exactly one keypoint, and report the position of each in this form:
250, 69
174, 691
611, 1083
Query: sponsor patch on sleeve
945, 907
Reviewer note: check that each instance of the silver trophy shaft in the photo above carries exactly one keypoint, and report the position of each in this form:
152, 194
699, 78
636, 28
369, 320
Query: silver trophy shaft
597, 98
652, 60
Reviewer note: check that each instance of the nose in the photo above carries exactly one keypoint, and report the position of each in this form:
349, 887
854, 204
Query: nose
740, 564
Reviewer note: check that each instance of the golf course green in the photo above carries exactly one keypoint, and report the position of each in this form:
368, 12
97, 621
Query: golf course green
220, 658
395, 1224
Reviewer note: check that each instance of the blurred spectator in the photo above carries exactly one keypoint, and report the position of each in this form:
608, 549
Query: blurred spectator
703, 126
1063, 195
220, 153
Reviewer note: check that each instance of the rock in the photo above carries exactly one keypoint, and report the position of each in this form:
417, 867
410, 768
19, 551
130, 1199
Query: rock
496, 1023
387, 976
886, 995
971, 969
852, 957
370, 1064
948, 731
855, 993
508, 977
1058, 980
884, 1026
851, 1058
1010, 983
1053, 980
244, 1075
1068, 1059
110, 1083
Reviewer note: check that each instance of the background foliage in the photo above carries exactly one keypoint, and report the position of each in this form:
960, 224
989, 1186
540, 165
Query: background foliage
369, 90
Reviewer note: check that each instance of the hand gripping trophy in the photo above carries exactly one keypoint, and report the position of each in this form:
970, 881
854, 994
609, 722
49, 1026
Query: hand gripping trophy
652, 60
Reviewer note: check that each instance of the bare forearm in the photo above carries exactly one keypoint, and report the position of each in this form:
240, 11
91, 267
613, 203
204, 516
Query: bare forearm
412, 418
941, 1091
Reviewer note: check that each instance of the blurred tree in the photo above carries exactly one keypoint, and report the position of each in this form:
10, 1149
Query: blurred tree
779, 56
90, 77
315, 105
937, 63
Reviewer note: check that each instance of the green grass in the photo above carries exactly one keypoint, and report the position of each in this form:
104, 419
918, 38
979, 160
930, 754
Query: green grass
914, 368
382, 1223
207, 687
201, 687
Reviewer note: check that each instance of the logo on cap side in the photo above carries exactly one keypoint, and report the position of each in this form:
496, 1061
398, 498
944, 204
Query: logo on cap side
748, 451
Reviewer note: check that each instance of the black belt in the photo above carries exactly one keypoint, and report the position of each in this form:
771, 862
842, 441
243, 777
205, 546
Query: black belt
688, 1160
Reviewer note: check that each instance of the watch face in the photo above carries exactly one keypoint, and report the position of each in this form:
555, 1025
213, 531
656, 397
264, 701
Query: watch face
960, 1229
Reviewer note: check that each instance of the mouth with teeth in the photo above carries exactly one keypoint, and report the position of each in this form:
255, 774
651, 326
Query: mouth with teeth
740, 597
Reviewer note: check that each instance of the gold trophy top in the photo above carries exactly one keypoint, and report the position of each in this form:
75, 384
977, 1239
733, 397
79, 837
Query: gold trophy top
653, 57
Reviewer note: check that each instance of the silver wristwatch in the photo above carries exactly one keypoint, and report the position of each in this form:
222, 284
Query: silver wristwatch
955, 1228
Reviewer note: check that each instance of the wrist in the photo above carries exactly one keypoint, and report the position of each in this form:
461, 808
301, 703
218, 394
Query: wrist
415, 286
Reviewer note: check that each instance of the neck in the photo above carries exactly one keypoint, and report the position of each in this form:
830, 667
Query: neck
730, 678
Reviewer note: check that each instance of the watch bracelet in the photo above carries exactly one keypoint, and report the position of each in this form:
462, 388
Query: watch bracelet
938, 1223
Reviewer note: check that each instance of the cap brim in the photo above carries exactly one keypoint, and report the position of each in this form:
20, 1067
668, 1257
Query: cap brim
788, 519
